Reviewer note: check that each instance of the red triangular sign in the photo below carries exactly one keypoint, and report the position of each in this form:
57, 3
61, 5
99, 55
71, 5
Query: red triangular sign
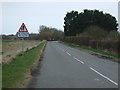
23, 28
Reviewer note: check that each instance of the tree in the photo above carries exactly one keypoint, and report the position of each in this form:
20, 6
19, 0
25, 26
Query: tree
68, 21
75, 23
95, 32
47, 33
33, 36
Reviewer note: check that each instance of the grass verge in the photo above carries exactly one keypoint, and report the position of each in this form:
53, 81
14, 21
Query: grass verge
13, 74
0, 77
93, 50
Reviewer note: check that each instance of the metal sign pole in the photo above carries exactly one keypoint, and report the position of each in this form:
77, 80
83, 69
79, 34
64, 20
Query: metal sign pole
22, 44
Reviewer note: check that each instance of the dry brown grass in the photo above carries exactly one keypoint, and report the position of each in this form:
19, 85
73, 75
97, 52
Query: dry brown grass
11, 48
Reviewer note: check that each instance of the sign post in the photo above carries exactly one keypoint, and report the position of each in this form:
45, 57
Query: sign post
22, 44
23, 32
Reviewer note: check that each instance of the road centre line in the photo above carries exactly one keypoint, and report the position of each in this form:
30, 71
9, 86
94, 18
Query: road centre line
103, 76
68, 53
63, 50
78, 60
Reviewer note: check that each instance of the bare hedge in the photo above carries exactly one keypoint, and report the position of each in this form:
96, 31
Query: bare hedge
108, 46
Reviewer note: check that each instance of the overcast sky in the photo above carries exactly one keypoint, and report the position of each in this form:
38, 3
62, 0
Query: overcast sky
50, 14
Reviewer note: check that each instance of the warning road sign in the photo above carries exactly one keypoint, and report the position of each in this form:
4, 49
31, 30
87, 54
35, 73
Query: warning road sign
23, 28
23, 32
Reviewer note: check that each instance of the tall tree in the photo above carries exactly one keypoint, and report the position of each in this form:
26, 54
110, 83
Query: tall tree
68, 21
75, 23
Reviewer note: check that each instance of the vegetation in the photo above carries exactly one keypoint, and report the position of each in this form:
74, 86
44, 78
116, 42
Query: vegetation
33, 36
16, 70
1, 77
104, 45
93, 50
10, 48
75, 23
47, 33
92, 28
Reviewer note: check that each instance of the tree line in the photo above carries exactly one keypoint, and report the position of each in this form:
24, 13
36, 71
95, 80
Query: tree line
76, 23
49, 33
45, 33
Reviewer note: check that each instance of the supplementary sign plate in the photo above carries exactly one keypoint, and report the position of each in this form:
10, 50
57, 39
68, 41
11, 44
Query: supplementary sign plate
23, 34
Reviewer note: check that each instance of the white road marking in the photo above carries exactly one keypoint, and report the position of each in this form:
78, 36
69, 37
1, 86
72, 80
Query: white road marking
63, 50
78, 60
103, 76
68, 53
91, 68
66, 50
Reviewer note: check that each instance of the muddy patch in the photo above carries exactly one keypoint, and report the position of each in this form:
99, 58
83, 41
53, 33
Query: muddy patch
105, 57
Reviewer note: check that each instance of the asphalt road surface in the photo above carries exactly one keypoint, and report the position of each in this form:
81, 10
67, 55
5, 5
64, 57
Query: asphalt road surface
66, 67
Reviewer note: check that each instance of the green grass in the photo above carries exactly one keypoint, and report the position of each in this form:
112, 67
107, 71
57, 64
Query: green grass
93, 50
0, 76
16, 40
100, 52
8, 40
13, 74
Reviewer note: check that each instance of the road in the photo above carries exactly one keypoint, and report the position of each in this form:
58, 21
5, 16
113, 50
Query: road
66, 67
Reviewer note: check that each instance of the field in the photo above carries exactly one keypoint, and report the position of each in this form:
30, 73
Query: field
10, 48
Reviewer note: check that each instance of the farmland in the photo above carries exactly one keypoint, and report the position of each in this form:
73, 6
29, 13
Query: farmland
10, 48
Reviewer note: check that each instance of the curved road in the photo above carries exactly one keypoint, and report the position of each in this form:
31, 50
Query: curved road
66, 67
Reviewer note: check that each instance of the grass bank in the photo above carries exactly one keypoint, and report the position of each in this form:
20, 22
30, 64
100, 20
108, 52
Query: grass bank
93, 50
13, 74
